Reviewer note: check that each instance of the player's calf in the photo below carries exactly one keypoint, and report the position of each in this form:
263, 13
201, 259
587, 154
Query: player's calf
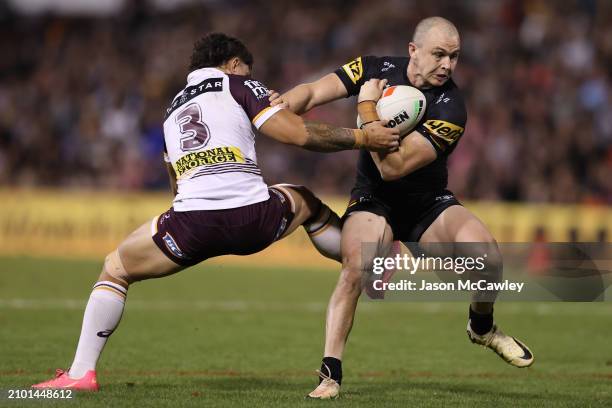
324, 230
137, 258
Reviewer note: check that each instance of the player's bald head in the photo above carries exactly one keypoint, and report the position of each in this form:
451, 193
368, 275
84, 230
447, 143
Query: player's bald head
439, 24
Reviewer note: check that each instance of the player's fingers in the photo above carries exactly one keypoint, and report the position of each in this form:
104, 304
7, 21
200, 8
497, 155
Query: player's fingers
381, 122
279, 102
272, 94
394, 132
382, 84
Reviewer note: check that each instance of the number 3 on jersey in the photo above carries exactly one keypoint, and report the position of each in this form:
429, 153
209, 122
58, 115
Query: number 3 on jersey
196, 133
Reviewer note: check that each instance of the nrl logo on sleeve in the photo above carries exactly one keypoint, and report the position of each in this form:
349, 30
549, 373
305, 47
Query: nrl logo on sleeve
444, 133
259, 90
354, 69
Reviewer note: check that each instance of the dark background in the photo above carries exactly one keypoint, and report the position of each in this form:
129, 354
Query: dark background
82, 94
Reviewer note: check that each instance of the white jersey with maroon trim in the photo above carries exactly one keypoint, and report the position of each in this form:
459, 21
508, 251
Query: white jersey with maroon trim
208, 131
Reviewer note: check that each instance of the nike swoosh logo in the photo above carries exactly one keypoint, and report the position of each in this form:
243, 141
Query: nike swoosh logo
526, 353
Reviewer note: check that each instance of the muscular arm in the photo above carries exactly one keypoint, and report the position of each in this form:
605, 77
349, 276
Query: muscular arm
304, 97
326, 138
415, 152
287, 127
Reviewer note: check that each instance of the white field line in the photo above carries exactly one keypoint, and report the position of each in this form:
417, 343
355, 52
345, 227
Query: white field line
458, 308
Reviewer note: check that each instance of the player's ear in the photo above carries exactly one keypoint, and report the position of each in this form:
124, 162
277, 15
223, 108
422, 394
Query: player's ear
412, 47
233, 64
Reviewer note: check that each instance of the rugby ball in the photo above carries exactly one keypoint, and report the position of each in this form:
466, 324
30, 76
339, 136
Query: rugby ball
402, 105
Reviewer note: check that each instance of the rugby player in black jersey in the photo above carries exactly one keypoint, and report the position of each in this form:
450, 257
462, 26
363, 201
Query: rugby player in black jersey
402, 195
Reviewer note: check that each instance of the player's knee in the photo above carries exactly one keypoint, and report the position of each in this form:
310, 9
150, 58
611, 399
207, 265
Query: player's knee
113, 267
310, 199
490, 253
352, 269
350, 281
305, 203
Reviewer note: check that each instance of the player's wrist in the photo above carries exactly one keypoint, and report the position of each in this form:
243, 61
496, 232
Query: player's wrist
367, 111
360, 138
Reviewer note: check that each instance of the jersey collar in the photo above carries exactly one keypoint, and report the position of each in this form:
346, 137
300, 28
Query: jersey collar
203, 72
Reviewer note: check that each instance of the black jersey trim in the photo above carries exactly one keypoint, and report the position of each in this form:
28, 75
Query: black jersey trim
207, 85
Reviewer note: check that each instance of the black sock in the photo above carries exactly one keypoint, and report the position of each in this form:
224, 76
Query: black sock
481, 323
333, 367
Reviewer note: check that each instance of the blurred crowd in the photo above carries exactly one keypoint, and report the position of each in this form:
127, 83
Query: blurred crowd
82, 98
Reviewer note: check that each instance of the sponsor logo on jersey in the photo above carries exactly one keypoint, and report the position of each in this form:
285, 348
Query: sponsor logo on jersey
445, 197
443, 133
208, 85
441, 98
259, 90
171, 245
217, 155
387, 66
354, 70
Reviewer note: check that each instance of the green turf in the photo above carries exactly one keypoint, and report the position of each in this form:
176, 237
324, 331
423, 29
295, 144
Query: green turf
223, 336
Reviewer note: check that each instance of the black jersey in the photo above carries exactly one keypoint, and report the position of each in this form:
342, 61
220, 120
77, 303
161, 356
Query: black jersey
443, 124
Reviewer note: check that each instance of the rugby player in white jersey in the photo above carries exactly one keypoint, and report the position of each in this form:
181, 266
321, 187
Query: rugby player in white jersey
221, 205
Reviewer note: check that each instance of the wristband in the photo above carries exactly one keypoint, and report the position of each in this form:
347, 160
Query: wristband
360, 137
367, 111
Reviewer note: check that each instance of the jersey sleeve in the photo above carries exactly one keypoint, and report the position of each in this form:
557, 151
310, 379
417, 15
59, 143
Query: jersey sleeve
444, 122
355, 73
252, 95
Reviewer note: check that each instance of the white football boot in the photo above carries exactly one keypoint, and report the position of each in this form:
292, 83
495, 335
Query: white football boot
510, 349
327, 389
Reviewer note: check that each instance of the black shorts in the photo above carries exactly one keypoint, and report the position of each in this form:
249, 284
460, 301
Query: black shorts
189, 237
408, 218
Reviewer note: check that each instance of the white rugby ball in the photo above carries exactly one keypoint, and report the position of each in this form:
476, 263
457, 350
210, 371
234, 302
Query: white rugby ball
402, 105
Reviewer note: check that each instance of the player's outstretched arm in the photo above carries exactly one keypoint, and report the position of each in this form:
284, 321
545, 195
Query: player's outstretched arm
304, 97
287, 127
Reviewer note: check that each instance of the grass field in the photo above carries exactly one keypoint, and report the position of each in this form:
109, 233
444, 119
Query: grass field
221, 336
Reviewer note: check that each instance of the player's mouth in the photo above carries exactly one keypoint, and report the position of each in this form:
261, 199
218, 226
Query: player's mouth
441, 77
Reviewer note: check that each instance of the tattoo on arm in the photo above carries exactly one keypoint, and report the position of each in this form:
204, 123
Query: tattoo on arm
326, 138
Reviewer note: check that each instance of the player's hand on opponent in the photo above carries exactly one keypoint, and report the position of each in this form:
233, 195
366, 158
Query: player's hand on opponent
276, 99
379, 138
372, 90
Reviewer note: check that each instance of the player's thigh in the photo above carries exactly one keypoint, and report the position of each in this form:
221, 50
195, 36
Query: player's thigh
304, 204
458, 231
365, 235
457, 224
142, 258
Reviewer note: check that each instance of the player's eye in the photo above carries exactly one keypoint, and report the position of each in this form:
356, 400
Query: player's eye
438, 55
